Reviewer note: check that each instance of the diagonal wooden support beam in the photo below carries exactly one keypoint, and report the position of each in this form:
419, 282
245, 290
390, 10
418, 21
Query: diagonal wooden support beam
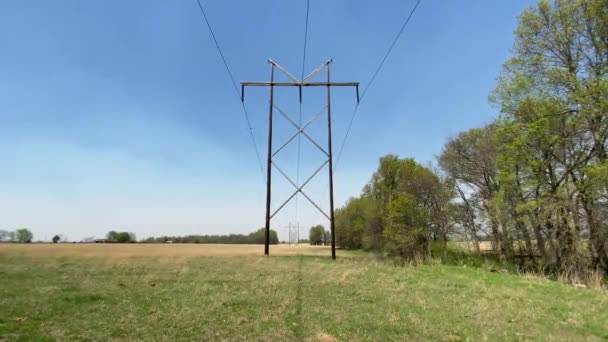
300, 130
298, 188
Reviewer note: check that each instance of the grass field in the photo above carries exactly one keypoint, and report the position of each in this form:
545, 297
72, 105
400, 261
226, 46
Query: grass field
216, 292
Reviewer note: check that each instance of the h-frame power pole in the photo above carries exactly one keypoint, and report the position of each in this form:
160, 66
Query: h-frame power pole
305, 82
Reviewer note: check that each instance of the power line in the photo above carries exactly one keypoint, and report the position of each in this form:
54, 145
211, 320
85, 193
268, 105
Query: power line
405, 23
236, 89
352, 118
305, 37
300, 113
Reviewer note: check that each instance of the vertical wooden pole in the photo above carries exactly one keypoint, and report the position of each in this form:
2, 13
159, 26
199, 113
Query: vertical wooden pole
331, 170
269, 165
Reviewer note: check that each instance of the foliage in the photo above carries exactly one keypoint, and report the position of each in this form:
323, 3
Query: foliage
537, 176
256, 237
120, 237
534, 182
56, 238
318, 235
259, 236
23, 235
401, 210
353, 222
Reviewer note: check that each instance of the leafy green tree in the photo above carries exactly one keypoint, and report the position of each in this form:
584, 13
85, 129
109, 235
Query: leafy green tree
552, 94
317, 235
120, 237
405, 191
112, 235
326, 237
56, 238
405, 233
4, 235
259, 237
470, 159
352, 222
23, 235
401, 211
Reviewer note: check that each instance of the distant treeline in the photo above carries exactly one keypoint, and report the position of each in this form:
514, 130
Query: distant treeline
22, 235
256, 237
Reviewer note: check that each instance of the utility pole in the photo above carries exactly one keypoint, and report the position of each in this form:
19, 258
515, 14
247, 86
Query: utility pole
305, 82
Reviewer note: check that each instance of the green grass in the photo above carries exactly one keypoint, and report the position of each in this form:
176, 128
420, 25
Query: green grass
285, 298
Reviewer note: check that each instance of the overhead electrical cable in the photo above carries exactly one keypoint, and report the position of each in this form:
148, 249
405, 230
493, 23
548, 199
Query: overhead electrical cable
372, 79
236, 89
300, 112
352, 118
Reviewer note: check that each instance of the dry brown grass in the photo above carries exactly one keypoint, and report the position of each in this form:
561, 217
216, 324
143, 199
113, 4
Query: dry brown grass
157, 250
322, 337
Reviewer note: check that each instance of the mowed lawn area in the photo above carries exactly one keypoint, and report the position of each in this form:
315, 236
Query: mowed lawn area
204, 292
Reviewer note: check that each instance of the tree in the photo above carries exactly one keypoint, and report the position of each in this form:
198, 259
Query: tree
56, 238
112, 235
552, 94
23, 235
259, 237
470, 159
403, 208
405, 191
123, 237
120, 237
273, 237
443, 211
317, 235
326, 237
4, 235
351, 223
405, 233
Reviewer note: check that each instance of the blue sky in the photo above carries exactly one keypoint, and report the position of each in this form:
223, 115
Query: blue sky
119, 114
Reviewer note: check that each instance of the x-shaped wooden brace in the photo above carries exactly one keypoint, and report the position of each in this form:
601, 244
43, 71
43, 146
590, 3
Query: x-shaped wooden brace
300, 130
305, 82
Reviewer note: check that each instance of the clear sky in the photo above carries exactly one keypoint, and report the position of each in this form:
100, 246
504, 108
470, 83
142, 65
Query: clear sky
119, 114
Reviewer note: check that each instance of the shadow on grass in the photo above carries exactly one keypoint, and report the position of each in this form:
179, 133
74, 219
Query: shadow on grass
298, 314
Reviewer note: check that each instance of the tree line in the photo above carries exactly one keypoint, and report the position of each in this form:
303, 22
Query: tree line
22, 235
534, 182
256, 237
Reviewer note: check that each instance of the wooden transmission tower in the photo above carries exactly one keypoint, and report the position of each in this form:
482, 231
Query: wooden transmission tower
300, 130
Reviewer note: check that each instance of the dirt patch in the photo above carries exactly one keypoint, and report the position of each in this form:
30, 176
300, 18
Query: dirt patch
322, 337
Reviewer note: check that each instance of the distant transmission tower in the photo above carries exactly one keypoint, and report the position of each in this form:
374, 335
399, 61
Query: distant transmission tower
293, 235
305, 82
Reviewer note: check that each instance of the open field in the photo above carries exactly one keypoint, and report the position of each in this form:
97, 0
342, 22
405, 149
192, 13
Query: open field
177, 250
227, 292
